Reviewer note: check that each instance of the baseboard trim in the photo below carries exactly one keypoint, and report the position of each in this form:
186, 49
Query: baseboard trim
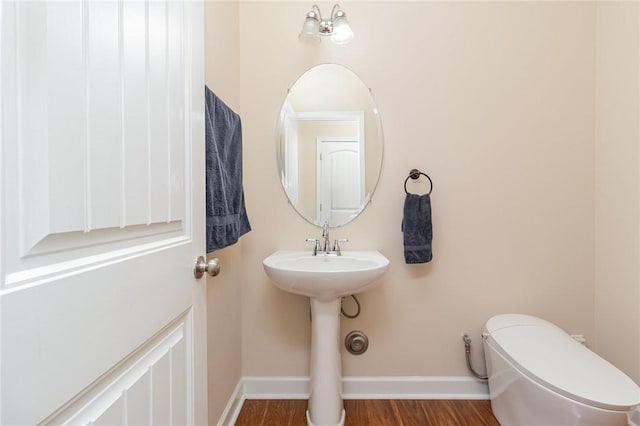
414, 387
396, 387
232, 410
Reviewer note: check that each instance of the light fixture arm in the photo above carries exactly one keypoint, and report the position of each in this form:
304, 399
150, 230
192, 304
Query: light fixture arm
333, 11
314, 13
316, 9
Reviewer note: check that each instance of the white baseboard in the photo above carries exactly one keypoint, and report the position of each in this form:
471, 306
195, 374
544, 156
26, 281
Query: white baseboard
397, 387
232, 410
414, 387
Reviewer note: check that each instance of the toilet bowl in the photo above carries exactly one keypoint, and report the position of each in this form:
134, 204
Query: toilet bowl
539, 375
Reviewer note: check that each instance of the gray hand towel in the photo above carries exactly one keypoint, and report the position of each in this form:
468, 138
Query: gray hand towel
417, 229
226, 215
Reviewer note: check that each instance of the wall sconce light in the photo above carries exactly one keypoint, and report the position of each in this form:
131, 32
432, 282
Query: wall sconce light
335, 26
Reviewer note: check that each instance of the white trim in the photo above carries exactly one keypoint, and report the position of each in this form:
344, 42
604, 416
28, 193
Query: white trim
414, 387
392, 387
232, 410
387, 387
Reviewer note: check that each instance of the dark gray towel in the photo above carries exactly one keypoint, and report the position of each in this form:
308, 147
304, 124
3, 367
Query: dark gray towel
417, 229
226, 215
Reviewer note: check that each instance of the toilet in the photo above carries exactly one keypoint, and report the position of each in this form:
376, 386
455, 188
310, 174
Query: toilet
539, 375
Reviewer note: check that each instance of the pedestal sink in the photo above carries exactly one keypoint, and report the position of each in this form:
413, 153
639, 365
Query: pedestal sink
325, 280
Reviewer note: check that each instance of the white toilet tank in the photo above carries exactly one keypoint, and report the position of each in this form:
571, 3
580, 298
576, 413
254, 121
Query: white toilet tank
539, 375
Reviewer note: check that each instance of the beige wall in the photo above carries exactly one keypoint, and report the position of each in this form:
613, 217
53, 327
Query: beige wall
617, 243
222, 75
496, 102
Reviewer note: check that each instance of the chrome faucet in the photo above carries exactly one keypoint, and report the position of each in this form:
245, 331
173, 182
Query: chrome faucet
325, 248
325, 235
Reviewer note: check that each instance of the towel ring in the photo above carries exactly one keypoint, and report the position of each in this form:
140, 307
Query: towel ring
415, 174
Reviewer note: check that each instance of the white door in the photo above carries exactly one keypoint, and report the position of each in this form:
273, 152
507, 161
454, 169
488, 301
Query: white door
340, 180
101, 213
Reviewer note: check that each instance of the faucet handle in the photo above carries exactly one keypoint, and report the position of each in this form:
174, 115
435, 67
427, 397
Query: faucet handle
316, 247
336, 245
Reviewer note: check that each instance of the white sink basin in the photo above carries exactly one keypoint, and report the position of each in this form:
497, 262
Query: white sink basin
325, 277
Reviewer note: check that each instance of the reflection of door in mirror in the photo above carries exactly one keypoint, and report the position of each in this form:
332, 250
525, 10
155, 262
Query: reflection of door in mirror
320, 199
340, 180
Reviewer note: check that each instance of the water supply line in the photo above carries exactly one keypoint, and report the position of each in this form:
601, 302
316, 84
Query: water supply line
351, 316
467, 352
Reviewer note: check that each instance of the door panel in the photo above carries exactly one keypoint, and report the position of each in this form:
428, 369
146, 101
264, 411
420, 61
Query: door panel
102, 206
149, 388
340, 179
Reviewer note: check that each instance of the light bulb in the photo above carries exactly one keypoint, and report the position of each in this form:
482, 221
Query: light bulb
309, 33
342, 33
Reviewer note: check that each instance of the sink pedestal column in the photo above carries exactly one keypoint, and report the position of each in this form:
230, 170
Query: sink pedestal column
325, 398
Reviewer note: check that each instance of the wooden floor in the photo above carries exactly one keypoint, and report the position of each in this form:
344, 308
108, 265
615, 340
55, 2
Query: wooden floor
373, 413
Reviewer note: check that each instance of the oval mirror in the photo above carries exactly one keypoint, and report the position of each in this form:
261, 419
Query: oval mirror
330, 145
